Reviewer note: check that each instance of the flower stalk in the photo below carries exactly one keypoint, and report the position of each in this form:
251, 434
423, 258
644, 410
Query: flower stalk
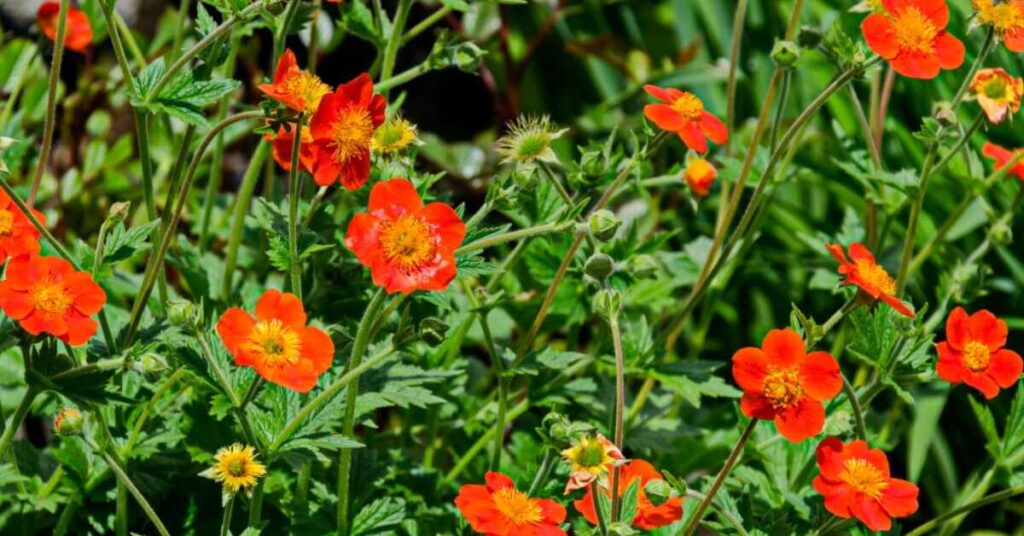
49, 121
698, 514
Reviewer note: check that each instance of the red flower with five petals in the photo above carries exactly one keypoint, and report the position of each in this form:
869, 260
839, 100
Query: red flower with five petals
973, 353
855, 482
869, 277
297, 89
784, 383
499, 509
683, 113
47, 295
342, 130
407, 246
911, 34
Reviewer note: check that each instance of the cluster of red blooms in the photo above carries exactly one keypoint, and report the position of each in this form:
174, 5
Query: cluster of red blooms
44, 294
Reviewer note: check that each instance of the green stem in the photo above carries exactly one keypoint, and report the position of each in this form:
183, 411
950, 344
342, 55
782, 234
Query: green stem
426, 23
780, 110
256, 505
348, 423
294, 263
403, 77
512, 236
156, 260
217, 166
723, 512
602, 523
51, 99
543, 471
988, 499
497, 361
16, 419
620, 407
146, 161
391, 49
480, 443
225, 524
858, 412
127, 482
698, 514
245, 191
121, 510
140, 422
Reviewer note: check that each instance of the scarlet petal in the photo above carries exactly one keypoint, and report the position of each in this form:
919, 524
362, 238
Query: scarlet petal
356, 171
784, 348
837, 496
936, 10
552, 511
321, 124
16, 305
714, 128
394, 198
663, 94
80, 329
801, 420
949, 366
358, 90
325, 169
899, 305
899, 499
363, 238
1014, 40
871, 513
446, 225
283, 306
24, 271
498, 481
89, 298
958, 328
756, 406
39, 322
693, 137
982, 383
286, 64
986, 328
858, 252
829, 456
949, 50
916, 65
664, 117
820, 376
234, 328
879, 34
1005, 368
318, 348
749, 367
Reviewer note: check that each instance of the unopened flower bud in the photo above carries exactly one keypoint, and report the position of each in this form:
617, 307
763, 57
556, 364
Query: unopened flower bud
599, 266
808, 37
592, 163
153, 364
603, 224
181, 313
557, 428
658, 491
432, 330
119, 211
643, 266
785, 53
1001, 233
607, 303
945, 116
69, 422
467, 56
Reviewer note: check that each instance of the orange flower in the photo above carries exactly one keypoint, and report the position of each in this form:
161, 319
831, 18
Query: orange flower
78, 31
648, 516
855, 482
1003, 157
700, 175
47, 295
342, 129
295, 88
683, 113
911, 34
973, 353
871, 278
997, 92
17, 234
282, 144
1006, 17
782, 382
277, 342
500, 509
406, 246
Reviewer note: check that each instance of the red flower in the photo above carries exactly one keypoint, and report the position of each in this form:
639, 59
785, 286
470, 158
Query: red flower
911, 34
855, 482
295, 88
1007, 19
700, 175
1003, 157
342, 129
17, 234
648, 516
683, 113
973, 353
406, 246
500, 509
869, 277
277, 342
782, 382
78, 31
47, 295
282, 144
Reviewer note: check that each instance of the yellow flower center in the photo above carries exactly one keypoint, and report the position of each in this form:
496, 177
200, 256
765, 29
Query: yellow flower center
864, 477
782, 387
589, 455
6, 222
976, 356
876, 276
914, 31
236, 467
274, 343
351, 135
689, 106
309, 87
517, 507
997, 89
394, 136
1003, 16
407, 241
51, 297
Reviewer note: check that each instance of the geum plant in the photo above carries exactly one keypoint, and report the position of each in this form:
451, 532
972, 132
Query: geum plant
309, 358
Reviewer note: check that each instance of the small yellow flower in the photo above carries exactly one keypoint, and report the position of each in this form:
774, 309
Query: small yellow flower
394, 136
529, 139
236, 468
997, 92
589, 459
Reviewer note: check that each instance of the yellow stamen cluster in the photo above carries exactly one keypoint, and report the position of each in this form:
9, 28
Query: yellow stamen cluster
914, 30
517, 507
406, 241
976, 356
394, 136
689, 106
864, 477
308, 87
1003, 15
874, 275
6, 222
274, 343
351, 134
51, 297
236, 468
782, 387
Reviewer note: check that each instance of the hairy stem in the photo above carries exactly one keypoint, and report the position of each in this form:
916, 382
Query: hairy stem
51, 99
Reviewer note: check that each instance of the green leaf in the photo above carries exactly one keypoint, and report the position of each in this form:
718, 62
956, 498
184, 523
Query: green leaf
629, 501
988, 426
1013, 436
121, 243
381, 514
457, 5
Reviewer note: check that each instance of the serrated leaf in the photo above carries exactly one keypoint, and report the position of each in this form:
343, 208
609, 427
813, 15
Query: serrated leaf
121, 242
988, 426
381, 514
629, 501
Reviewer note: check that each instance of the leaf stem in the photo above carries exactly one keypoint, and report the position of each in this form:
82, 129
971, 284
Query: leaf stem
394, 42
127, 482
620, 407
51, 99
858, 412
426, 23
698, 514
225, 524
511, 236
294, 262
16, 419
988, 499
